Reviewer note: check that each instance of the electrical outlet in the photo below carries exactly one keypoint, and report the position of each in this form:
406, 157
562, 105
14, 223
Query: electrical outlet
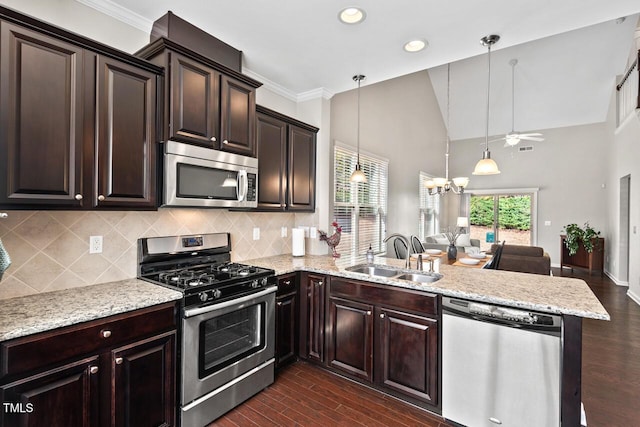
256, 233
547, 223
283, 231
95, 244
313, 232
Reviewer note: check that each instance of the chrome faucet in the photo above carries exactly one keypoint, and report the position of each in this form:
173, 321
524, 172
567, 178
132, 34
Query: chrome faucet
407, 263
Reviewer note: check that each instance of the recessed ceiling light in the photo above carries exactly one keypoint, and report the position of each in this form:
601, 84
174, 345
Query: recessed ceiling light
352, 15
415, 45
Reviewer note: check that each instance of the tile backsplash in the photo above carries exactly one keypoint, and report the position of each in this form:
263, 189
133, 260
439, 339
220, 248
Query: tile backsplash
49, 250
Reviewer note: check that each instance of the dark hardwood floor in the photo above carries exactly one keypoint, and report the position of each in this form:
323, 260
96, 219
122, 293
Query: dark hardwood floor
305, 395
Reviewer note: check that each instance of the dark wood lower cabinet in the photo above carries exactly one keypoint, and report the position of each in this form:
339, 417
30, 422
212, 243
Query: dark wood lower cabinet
407, 359
63, 396
312, 311
286, 320
350, 349
117, 371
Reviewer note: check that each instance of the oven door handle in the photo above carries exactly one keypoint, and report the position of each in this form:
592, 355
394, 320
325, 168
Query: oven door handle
200, 310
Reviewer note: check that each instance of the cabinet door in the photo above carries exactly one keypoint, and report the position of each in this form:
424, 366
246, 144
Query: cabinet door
143, 378
409, 373
65, 396
301, 183
312, 326
41, 115
272, 160
286, 331
237, 117
194, 102
350, 332
126, 132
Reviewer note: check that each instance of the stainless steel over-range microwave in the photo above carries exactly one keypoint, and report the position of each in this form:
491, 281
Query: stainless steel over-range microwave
203, 177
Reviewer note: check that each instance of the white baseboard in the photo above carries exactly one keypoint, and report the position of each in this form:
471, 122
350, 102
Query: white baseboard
615, 279
634, 297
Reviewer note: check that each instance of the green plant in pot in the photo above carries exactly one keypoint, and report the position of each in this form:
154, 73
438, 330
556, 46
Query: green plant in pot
575, 235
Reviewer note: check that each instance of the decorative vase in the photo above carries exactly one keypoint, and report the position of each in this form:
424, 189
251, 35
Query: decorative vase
452, 252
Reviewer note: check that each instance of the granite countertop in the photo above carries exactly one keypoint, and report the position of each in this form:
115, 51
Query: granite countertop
42, 312
559, 295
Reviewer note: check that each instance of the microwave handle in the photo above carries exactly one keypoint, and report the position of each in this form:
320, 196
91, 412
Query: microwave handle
242, 185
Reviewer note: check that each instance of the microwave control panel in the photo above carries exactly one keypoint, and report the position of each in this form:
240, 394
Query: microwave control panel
252, 192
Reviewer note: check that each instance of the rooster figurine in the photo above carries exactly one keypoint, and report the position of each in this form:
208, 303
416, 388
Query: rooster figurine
332, 240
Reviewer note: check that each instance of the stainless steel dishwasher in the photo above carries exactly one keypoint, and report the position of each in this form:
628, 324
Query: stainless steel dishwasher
500, 366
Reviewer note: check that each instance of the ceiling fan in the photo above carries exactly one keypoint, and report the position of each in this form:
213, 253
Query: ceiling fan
513, 138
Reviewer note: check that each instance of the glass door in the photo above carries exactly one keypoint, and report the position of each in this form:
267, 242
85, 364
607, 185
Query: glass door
497, 217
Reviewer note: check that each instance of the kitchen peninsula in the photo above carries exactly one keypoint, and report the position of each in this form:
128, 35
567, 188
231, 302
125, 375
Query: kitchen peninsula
387, 333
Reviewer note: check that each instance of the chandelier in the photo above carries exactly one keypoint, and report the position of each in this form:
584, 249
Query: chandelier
443, 185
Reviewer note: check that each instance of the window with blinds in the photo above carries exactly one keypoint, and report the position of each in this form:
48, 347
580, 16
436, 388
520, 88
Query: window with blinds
429, 210
360, 209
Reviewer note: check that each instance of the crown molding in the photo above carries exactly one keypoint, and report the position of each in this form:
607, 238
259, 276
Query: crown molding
120, 13
287, 93
314, 94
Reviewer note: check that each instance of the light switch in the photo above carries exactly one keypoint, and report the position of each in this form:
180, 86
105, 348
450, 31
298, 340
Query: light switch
547, 223
313, 232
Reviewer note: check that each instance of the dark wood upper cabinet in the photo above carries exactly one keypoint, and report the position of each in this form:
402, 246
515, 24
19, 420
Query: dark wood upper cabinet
194, 102
79, 121
206, 103
126, 135
237, 117
287, 162
41, 112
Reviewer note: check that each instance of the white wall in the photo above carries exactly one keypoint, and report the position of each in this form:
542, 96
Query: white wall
401, 121
569, 167
81, 19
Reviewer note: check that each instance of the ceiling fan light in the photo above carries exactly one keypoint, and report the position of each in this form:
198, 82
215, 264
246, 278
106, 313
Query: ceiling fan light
358, 175
512, 139
461, 181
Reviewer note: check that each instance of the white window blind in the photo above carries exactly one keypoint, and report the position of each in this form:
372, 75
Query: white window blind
429, 215
360, 209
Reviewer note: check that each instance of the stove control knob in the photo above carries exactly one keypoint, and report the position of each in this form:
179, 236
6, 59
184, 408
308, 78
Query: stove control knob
263, 281
255, 284
217, 294
203, 296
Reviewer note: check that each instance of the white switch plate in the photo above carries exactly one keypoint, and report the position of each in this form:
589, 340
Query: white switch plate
283, 231
547, 223
95, 244
306, 230
313, 232
256, 233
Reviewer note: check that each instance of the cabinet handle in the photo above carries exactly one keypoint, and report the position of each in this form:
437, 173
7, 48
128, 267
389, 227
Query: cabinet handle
368, 313
94, 369
118, 360
78, 197
382, 315
287, 282
213, 138
320, 283
225, 142
106, 333
279, 303
101, 198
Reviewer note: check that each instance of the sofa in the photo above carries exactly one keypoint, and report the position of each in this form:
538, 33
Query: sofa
440, 241
524, 259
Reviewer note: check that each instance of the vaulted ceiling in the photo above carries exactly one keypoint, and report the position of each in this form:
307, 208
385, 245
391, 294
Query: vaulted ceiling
569, 51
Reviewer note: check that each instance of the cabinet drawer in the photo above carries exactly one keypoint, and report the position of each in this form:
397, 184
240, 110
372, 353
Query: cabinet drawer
47, 348
389, 296
286, 284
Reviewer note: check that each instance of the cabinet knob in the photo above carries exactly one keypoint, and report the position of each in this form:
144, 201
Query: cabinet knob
369, 313
118, 360
287, 282
279, 303
320, 283
213, 138
78, 197
382, 315
105, 334
94, 369
101, 198
225, 142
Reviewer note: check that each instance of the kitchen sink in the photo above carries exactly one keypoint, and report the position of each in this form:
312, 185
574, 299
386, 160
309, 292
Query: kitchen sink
416, 277
394, 273
373, 270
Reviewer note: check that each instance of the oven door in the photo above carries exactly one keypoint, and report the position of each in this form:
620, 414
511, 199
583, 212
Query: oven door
223, 341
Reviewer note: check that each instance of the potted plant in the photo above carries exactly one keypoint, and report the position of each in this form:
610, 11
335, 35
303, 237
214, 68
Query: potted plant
575, 236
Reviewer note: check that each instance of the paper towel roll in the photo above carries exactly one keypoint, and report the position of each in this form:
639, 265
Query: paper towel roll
297, 242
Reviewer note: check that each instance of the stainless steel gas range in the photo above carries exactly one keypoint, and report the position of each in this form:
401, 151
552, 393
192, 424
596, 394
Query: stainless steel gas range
227, 348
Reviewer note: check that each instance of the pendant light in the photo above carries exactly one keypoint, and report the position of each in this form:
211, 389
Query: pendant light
443, 185
487, 166
358, 175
